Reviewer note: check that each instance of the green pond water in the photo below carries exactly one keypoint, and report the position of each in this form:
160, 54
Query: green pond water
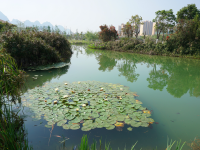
168, 87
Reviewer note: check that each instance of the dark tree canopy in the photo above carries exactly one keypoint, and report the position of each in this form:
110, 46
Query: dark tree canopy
188, 12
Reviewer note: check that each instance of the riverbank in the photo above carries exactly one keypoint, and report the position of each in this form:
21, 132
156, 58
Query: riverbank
148, 47
80, 42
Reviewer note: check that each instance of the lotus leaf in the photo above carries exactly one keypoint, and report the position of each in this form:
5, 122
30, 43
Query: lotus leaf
120, 104
121, 118
66, 126
110, 127
62, 122
127, 121
48, 126
75, 127
86, 128
144, 124
129, 129
135, 124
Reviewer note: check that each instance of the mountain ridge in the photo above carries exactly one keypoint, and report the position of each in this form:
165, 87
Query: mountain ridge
28, 23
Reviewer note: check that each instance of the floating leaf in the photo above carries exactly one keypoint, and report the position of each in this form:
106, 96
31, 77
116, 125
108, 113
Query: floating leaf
110, 127
129, 129
75, 127
93, 103
66, 126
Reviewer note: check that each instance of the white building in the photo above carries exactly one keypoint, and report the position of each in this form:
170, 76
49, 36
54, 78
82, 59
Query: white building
147, 28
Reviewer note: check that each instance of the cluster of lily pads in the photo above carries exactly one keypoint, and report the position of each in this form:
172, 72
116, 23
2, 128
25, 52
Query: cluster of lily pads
47, 67
88, 105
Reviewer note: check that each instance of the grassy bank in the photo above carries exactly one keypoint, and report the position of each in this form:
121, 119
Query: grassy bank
80, 42
149, 46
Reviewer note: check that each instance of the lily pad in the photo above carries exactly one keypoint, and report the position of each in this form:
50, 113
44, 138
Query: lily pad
66, 126
75, 127
110, 127
129, 129
90, 103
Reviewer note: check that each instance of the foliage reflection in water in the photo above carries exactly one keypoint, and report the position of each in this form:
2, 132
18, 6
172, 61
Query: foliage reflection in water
167, 86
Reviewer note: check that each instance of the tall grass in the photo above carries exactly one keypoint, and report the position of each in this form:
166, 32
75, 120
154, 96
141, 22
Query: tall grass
85, 145
12, 131
11, 78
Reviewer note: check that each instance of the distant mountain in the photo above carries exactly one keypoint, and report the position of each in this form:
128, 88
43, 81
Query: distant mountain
3, 17
28, 23
15, 21
47, 24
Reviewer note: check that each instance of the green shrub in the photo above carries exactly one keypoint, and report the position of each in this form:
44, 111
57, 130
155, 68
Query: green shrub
36, 48
60, 43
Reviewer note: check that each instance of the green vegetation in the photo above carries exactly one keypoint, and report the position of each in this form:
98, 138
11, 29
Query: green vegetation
36, 48
102, 105
11, 79
91, 36
5, 26
12, 131
165, 21
185, 41
188, 12
80, 42
28, 46
85, 145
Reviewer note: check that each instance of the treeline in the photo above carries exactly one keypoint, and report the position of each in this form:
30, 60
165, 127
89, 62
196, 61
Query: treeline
183, 40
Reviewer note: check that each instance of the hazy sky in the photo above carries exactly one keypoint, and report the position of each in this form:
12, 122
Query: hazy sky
87, 14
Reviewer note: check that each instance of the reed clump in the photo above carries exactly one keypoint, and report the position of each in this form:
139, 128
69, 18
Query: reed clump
29, 47
12, 131
85, 145
12, 79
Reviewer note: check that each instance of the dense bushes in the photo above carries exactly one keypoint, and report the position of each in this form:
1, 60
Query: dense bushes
36, 48
186, 39
57, 41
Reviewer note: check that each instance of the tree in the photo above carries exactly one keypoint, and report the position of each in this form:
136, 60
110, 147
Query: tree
5, 26
49, 29
136, 21
128, 30
187, 12
106, 34
91, 36
57, 30
165, 20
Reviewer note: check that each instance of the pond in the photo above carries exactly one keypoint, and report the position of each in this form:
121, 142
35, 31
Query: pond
169, 87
